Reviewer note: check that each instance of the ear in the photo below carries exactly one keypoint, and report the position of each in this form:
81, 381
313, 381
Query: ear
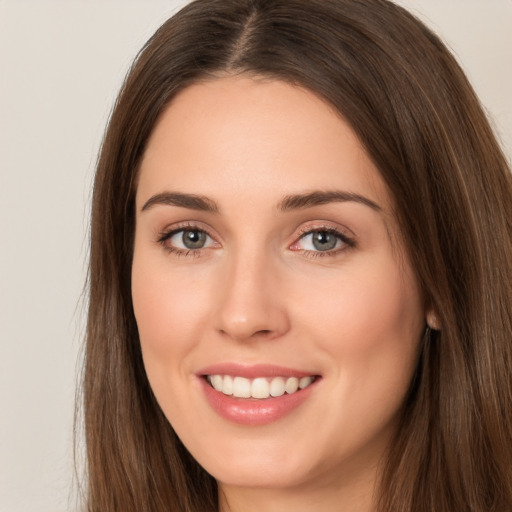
433, 320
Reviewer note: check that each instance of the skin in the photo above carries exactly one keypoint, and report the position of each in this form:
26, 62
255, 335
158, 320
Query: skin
259, 291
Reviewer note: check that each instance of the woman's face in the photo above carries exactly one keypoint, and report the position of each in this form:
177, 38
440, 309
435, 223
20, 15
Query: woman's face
267, 257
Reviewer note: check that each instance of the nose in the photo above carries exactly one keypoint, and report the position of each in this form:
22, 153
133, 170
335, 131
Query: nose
251, 305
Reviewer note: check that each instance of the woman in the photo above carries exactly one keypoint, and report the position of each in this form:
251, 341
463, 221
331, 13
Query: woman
300, 277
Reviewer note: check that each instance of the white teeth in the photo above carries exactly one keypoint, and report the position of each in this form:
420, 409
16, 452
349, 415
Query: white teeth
217, 382
304, 382
227, 385
292, 384
241, 387
260, 387
277, 386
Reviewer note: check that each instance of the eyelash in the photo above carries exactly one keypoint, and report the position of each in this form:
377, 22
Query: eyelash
164, 236
348, 243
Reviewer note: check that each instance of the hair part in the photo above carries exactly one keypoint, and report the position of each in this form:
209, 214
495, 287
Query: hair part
418, 118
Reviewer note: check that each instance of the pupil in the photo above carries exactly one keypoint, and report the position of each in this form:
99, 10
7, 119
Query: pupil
194, 239
324, 241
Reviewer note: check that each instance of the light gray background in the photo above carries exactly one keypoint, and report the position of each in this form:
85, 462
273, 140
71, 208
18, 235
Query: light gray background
61, 64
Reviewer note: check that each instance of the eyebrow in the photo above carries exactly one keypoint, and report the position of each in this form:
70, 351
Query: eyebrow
318, 197
191, 201
288, 203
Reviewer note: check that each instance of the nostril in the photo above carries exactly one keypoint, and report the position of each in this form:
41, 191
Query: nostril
261, 333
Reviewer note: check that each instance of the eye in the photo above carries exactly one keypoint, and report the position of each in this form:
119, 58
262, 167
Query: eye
186, 239
324, 240
189, 239
320, 241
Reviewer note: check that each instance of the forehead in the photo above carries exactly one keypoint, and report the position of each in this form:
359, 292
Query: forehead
255, 136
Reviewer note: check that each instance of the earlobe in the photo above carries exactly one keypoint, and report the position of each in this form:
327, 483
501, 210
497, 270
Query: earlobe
433, 320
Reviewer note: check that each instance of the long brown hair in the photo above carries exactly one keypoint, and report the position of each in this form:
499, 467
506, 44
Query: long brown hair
421, 123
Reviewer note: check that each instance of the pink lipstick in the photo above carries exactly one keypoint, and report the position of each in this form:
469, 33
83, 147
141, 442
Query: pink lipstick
255, 394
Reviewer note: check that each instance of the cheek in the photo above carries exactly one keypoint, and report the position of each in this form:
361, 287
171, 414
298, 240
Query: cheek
167, 305
170, 310
378, 305
368, 326
370, 323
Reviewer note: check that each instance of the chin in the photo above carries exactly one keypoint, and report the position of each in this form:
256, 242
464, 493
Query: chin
263, 473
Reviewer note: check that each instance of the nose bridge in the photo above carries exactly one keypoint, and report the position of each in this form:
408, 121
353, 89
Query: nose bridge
249, 304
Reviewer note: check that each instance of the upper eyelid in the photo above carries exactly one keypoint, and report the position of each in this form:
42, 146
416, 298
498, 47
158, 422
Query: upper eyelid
345, 239
312, 226
184, 226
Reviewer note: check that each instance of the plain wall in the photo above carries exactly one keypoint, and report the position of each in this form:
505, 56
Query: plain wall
61, 64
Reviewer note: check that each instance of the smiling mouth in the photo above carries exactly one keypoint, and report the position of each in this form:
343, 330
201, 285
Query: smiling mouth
259, 388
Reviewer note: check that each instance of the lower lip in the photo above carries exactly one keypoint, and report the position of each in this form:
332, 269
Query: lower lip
254, 411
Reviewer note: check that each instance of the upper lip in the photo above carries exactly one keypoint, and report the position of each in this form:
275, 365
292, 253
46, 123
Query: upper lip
252, 371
